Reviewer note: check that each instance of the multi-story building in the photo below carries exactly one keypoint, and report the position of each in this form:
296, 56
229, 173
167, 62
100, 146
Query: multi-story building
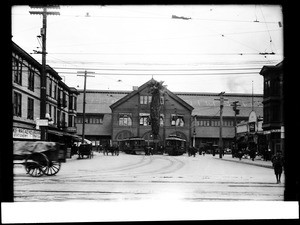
273, 124
111, 115
26, 91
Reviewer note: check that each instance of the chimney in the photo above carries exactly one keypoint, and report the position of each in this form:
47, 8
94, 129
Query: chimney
135, 88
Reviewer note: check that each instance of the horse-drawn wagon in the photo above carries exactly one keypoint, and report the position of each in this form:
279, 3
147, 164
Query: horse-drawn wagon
38, 157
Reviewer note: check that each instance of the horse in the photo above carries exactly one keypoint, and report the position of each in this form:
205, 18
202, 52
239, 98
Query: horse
114, 150
192, 151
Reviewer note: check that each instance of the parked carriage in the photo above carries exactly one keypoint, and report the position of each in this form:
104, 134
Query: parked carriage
85, 150
38, 157
175, 146
134, 145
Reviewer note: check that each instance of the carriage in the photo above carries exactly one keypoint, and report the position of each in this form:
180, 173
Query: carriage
112, 149
134, 145
175, 146
85, 149
38, 157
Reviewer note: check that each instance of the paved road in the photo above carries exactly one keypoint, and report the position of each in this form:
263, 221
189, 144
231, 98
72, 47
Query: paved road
157, 177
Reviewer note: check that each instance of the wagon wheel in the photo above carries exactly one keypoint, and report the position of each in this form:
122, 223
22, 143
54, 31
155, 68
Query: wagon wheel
52, 168
34, 164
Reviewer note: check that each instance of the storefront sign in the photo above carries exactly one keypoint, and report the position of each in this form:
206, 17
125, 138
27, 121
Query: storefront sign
24, 133
252, 117
42, 122
272, 131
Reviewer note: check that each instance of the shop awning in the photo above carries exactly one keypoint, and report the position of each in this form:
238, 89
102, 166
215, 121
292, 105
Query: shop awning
59, 133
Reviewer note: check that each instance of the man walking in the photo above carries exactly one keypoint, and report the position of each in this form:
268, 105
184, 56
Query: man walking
277, 161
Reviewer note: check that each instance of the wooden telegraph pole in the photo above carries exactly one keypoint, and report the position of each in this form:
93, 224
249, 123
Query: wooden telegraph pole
83, 107
221, 123
236, 112
44, 13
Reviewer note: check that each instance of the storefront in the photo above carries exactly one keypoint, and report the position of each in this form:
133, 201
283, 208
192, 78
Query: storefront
251, 138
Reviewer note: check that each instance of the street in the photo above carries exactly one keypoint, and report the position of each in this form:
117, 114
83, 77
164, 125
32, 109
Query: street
155, 177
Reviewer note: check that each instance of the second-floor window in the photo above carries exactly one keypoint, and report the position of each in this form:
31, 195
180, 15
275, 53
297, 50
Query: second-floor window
30, 108
267, 86
71, 102
91, 119
177, 120
17, 104
125, 120
145, 120
70, 120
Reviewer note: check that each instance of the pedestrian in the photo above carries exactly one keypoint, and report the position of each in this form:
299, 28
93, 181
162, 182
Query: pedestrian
277, 161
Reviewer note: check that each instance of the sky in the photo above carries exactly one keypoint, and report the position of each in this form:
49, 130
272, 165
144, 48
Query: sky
215, 48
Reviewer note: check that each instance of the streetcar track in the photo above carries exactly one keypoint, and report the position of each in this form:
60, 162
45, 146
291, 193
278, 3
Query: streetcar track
228, 183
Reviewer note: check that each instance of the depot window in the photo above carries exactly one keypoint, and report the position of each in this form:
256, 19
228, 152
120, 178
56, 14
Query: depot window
145, 99
125, 120
177, 120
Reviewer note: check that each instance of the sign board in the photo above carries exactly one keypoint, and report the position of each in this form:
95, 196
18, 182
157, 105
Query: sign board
282, 132
23, 133
252, 117
272, 131
42, 122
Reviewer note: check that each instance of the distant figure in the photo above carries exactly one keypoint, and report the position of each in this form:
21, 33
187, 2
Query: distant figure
277, 161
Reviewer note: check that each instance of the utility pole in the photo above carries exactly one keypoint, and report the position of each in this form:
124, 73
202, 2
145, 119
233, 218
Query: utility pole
45, 13
236, 112
194, 132
83, 108
221, 123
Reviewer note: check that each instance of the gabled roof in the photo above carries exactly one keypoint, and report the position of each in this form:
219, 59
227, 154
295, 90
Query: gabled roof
141, 88
268, 69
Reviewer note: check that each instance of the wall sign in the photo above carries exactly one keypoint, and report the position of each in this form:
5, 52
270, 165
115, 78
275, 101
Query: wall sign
24, 133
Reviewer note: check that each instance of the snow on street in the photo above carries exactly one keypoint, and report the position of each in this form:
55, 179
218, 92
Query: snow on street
156, 177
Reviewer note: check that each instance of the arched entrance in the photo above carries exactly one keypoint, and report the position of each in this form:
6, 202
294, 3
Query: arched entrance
179, 134
123, 135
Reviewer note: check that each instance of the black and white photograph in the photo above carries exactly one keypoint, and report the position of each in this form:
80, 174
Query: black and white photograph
149, 112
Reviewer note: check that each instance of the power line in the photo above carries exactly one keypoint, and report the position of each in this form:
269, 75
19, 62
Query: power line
166, 74
174, 53
135, 69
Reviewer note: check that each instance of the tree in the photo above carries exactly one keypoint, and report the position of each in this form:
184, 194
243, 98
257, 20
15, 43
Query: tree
157, 90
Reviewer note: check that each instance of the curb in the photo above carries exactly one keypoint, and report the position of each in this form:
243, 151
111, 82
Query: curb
249, 163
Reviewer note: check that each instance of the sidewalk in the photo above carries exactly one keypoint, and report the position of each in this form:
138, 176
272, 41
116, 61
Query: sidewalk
256, 162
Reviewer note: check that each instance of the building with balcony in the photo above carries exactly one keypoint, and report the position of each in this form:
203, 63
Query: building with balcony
26, 99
